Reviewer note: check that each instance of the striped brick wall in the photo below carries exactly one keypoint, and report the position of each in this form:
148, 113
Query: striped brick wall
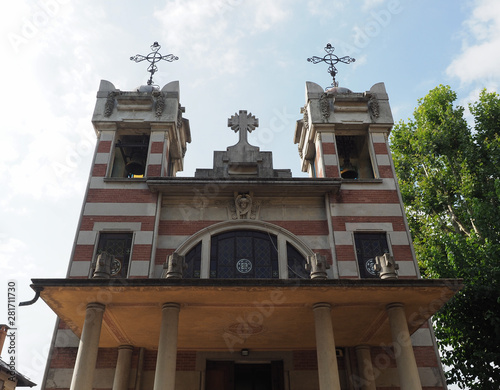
156, 159
125, 205
364, 206
329, 155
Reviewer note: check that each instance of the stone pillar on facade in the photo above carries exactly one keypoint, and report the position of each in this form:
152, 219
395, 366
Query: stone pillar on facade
167, 348
365, 368
317, 266
409, 378
174, 266
328, 371
86, 358
122, 370
386, 266
103, 266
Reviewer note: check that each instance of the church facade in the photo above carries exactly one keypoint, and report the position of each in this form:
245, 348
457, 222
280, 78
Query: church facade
243, 277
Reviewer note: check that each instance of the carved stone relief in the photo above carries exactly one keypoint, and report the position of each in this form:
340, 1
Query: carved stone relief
303, 110
243, 206
324, 103
160, 103
179, 116
110, 104
374, 107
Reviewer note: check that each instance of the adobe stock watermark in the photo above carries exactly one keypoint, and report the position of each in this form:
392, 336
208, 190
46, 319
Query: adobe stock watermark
42, 13
76, 153
374, 25
280, 121
252, 322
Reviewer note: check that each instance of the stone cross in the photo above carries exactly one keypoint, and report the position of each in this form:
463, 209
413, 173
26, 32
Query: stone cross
243, 122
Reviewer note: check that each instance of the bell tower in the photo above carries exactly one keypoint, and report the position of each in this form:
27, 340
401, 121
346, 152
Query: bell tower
141, 134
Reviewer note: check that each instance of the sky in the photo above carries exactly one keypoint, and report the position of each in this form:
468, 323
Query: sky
233, 55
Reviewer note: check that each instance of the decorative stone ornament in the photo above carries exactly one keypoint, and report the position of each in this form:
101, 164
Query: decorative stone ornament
317, 266
243, 206
160, 103
374, 107
303, 111
324, 103
110, 104
103, 266
179, 116
386, 266
174, 267
243, 203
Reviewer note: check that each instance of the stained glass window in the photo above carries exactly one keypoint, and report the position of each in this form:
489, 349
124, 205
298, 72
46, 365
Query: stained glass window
193, 262
368, 246
118, 245
244, 254
296, 264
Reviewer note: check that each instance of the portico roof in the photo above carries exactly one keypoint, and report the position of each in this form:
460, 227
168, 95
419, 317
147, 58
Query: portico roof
222, 314
183, 186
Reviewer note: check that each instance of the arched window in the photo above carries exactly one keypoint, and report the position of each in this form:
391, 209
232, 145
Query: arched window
245, 250
193, 262
244, 254
296, 263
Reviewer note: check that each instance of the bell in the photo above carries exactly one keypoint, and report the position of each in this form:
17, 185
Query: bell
136, 164
348, 171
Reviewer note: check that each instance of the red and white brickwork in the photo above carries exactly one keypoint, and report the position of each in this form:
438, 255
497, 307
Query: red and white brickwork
163, 223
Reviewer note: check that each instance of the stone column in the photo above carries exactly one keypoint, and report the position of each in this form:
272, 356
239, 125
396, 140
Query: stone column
403, 349
167, 348
86, 358
328, 370
122, 370
365, 367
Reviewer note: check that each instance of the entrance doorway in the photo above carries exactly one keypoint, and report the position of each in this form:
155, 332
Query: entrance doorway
228, 375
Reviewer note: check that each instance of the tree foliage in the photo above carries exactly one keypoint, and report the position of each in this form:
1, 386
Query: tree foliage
449, 175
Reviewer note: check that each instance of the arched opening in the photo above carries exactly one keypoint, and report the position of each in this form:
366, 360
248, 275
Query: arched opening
244, 254
244, 250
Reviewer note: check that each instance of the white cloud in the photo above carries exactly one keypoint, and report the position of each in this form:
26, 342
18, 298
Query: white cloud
325, 9
480, 56
10, 250
214, 31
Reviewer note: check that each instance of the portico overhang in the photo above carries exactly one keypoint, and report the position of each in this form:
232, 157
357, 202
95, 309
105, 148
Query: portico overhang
233, 314
187, 186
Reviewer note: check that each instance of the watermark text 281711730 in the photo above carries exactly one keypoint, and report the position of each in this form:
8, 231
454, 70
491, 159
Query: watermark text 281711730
12, 325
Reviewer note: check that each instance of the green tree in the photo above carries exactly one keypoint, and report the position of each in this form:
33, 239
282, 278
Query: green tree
449, 175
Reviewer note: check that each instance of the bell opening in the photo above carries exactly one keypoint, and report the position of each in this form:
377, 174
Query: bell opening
136, 165
348, 171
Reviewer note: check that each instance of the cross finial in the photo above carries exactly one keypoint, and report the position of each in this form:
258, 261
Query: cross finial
331, 59
153, 58
243, 122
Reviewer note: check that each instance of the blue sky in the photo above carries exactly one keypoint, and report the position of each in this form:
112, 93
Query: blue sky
233, 54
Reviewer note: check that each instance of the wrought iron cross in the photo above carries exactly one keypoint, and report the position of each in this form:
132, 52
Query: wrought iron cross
331, 59
153, 58
243, 122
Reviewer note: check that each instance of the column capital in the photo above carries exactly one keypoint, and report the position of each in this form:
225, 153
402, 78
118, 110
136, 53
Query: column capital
126, 346
362, 347
394, 305
96, 306
171, 305
322, 305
